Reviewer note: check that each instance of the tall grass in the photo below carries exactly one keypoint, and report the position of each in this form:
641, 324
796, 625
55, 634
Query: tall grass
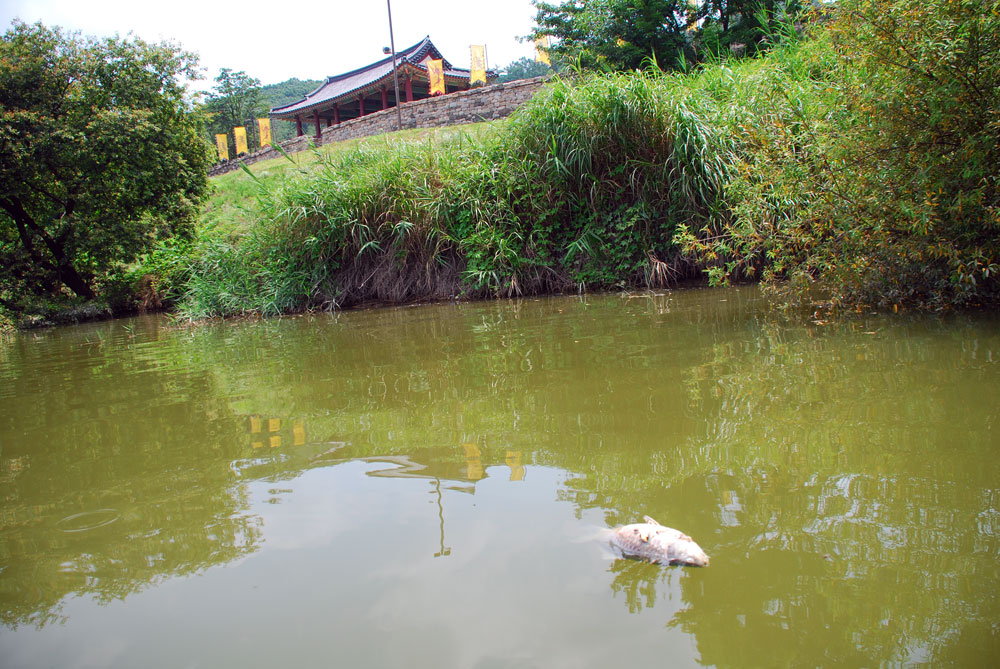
826, 162
585, 187
588, 184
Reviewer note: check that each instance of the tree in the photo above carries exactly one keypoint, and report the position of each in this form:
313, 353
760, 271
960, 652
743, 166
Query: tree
235, 101
100, 156
524, 68
629, 34
616, 34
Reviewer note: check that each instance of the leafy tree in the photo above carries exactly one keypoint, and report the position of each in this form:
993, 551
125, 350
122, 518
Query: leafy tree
615, 34
524, 68
100, 156
627, 34
236, 101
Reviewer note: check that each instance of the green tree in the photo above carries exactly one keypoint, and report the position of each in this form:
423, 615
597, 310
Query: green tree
524, 68
615, 34
100, 156
627, 34
236, 100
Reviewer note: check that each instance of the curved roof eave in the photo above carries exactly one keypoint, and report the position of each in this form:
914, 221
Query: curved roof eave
408, 59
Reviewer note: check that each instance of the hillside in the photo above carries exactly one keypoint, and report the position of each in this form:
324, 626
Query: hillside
283, 93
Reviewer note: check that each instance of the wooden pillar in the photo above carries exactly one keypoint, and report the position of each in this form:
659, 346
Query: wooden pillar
329, 121
316, 114
385, 98
298, 125
409, 89
336, 114
361, 105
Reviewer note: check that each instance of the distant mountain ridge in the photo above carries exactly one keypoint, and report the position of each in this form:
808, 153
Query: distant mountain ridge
283, 93
287, 92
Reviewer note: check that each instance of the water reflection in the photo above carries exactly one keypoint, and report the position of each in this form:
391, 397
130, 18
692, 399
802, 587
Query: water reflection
109, 487
840, 473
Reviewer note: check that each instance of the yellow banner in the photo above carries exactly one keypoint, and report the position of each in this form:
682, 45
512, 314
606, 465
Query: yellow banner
264, 124
435, 71
222, 143
542, 49
241, 139
478, 67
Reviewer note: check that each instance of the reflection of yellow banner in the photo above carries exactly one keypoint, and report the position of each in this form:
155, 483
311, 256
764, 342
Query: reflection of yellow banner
241, 139
264, 124
478, 67
542, 49
473, 463
222, 143
516, 468
435, 71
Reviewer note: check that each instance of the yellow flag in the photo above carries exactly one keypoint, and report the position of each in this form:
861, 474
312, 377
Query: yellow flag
241, 139
222, 143
435, 71
265, 131
542, 49
478, 67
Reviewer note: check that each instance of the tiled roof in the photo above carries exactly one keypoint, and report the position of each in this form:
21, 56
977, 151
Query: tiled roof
345, 85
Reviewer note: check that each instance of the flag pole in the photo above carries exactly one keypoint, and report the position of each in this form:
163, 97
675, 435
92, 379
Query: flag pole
395, 76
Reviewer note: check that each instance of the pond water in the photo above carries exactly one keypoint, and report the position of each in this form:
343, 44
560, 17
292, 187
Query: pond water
426, 487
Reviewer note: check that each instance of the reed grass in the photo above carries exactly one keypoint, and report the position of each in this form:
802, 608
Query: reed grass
602, 181
583, 188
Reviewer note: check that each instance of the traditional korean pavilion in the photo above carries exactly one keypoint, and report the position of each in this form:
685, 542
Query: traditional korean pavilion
370, 89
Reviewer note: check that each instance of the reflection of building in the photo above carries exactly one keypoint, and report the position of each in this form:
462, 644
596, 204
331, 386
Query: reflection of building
370, 89
470, 468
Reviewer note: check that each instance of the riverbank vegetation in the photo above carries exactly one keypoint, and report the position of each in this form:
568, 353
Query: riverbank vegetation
855, 161
100, 158
859, 160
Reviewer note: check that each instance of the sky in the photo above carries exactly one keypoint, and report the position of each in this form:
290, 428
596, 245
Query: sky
275, 41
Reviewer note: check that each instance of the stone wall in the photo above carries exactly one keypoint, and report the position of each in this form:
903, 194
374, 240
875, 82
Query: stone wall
479, 104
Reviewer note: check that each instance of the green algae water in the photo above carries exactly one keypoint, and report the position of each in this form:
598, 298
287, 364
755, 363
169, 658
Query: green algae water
426, 487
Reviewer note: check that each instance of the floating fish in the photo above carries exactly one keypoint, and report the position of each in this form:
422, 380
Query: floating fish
656, 543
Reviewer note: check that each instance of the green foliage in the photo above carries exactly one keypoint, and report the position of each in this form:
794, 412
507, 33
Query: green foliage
524, 68
669, 34
288, 91
328, 236
615, 34
878, 180
587, 184
280, 94
861, 160
100, 157
235, 100
584, 186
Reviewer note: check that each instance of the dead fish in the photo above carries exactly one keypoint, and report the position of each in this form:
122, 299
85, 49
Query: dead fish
656, 543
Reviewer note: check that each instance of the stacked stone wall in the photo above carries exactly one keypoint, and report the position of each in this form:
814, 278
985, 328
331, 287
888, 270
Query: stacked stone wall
473, 106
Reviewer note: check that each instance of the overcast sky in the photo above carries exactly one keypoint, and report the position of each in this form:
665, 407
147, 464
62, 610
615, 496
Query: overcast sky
274, 41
